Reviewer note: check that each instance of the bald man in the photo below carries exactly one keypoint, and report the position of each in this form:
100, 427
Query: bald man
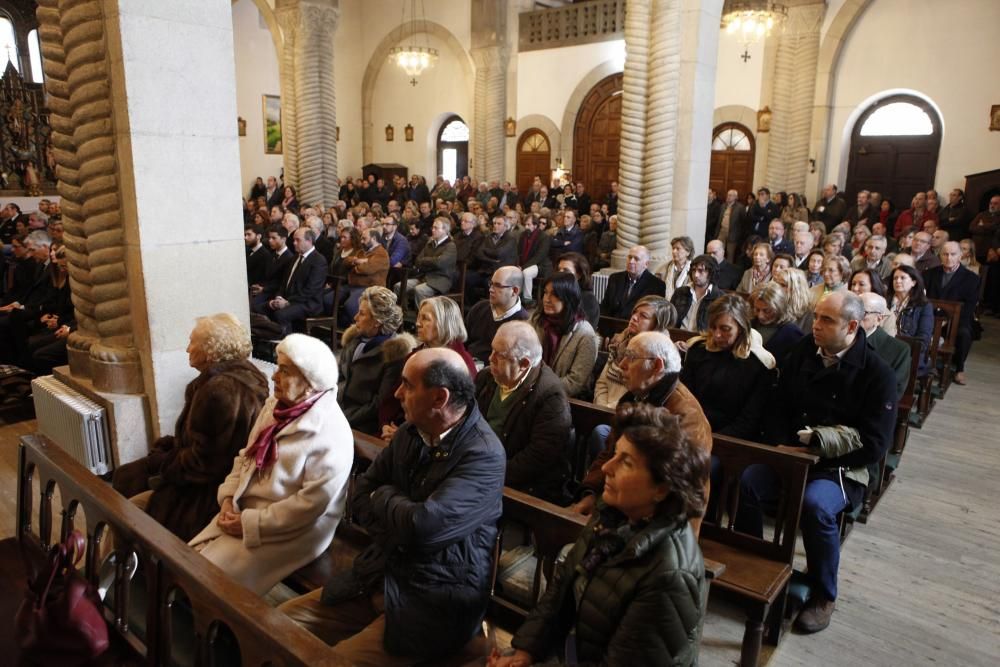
430, 501
953, 282
626, 287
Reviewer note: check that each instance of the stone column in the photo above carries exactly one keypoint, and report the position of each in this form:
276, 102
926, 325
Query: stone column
142, 99
490, 54
794, 86
308, 97
670, 54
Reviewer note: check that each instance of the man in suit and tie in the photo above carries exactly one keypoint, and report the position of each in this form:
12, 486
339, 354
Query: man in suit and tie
301, 295
776, 237
280, 259
732, 224
953, 282
628, 286
802, 244
21, 308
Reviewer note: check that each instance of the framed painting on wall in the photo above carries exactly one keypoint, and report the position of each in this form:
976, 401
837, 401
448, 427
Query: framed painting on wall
272, 124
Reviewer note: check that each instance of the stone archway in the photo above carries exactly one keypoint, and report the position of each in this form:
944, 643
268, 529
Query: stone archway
380, 57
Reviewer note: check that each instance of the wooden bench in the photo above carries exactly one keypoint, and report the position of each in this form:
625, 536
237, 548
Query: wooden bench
586, 416
758, 570
925, 385
326, 327
951, 311
180, 585
607, 327
681, 335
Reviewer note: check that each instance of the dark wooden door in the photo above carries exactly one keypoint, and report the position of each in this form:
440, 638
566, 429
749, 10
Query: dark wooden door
534, 158
597, 137
733, 152
896, 165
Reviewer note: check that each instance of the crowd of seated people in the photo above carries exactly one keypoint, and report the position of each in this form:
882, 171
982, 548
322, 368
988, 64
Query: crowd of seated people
481, 398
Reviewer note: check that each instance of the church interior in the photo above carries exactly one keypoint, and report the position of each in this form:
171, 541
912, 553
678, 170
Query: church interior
131, 132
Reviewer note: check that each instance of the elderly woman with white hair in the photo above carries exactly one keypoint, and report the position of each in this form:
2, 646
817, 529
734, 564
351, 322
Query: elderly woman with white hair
177, 481
287, 489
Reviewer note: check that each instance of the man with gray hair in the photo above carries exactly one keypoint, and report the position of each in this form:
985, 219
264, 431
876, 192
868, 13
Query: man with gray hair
525, 404
17, 313
626, 287
892, 351
923, 257
835, 399
874, 257
651, 367
802, 243
727, 274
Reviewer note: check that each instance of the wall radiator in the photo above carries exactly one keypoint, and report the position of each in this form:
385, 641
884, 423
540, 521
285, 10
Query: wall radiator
599, 282
74, 422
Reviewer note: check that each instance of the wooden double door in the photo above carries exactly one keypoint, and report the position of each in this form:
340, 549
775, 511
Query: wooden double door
597, 138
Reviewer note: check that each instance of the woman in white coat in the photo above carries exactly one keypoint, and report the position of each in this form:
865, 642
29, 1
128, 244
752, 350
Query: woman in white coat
286, 493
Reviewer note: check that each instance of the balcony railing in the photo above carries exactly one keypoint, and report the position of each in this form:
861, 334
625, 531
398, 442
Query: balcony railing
579, 23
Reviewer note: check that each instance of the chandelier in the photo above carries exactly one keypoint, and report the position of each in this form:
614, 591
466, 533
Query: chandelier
407, 55
751, 20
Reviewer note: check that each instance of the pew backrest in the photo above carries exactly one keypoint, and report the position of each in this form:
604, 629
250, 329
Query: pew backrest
265, 636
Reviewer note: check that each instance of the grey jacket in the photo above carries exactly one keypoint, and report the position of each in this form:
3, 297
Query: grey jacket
436, 265
575, 357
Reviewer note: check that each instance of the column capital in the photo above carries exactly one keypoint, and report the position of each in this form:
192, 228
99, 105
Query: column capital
311, 16
490, 57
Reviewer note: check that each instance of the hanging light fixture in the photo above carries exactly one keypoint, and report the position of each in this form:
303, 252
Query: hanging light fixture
407, 55
752, 20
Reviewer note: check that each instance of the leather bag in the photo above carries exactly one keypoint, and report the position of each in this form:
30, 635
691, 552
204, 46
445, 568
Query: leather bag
60, 621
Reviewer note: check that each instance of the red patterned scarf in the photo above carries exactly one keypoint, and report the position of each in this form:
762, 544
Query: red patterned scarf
265, 448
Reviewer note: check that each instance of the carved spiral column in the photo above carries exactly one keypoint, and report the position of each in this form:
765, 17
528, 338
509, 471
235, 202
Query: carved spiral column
78, 71
490, 107
794, 85
649, 125
308, 98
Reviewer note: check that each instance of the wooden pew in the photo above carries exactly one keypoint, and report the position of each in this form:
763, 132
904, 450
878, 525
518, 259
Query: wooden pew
607, 327
951, 311
681, 335
586, 416
263, 635
326, 326
925, 400
758, 570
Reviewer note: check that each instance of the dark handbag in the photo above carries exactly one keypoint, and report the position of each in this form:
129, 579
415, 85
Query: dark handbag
60, 620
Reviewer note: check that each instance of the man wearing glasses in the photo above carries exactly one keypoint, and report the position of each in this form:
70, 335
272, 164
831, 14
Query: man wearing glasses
503, 305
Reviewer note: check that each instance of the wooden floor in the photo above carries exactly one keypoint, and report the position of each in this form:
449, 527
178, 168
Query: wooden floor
920, 584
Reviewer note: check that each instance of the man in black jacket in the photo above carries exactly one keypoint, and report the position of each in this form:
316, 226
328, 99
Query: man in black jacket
430, 502
953, 282
628, 286
524, 402
301, 293
257, 255
836, 399
692, 301
727, 275
762, 213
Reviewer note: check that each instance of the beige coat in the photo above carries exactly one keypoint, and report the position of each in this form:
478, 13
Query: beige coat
290, 513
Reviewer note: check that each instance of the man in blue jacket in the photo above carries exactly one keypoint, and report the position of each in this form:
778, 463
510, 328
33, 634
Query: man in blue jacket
430, 503
837, 399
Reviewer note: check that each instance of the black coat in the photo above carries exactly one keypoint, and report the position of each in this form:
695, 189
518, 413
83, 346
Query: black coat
963, 287
277, 270
535, 434
495, 252
728, 275
539, 254
432, 516
733, 392
858, 392
257, 263
305, 286
615, 302
683, 298
643, 606
830, 213
466, 246
761, 217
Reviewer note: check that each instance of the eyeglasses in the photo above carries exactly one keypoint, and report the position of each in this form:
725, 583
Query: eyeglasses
500, 286
632, 356
874, 312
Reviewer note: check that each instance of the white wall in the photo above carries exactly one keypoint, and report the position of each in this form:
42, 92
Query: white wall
256, 75
956, 73
349, 69
738, 82
441, 90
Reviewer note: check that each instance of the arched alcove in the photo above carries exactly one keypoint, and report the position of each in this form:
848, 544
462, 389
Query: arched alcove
733, 152
597, 137
534, 158
452, 149
589, 80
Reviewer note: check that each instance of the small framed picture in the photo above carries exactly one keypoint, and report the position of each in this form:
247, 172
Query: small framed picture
272, 124
995, 118
408, 133
241, 126
390, 133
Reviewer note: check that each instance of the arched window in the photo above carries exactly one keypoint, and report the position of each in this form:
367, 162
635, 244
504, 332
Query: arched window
733, 152
453, 149
534, 158
8, 43
35, 55
894, 149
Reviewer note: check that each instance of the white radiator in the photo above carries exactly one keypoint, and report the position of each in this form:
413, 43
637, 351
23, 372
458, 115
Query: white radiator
599, 282
74, 422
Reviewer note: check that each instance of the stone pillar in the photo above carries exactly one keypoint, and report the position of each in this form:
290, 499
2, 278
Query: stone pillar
671, 48
490, 54
308, 97
134, 128
794, 82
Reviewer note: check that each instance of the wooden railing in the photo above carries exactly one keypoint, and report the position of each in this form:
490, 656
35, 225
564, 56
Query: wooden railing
579, 23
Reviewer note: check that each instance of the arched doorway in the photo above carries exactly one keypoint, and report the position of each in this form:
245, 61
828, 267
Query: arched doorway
597, 137
534, 158
453, 149
894, 149
733, 151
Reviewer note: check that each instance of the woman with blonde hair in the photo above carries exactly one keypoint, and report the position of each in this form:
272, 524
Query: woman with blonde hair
371, 358
800, 298
836, 271
773, 320
176, 483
